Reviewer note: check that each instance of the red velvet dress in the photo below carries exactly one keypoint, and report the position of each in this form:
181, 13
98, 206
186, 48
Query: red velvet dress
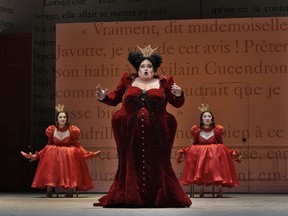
208, 161
144, 133
62, 163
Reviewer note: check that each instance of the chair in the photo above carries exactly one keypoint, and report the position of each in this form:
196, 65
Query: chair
74, 191
192, 191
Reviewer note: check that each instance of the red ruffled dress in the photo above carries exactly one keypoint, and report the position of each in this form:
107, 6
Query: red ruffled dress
144, 133
208, 161
62, 163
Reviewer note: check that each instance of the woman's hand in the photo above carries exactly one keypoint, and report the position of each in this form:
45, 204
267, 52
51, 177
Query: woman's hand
237, 156
176, 90
30, 156
100, 92
179, 156
91, 155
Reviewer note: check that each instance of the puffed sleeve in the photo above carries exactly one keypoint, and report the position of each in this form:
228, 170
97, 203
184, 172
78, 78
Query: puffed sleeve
172, 99
195, 131
49, 133
219, 132
115, 97
75, 133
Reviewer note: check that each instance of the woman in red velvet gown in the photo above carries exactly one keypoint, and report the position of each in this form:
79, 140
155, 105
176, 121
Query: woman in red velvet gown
144, 133
62, 161
208, 161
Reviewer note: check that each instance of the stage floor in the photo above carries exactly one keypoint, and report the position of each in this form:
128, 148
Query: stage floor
32, 204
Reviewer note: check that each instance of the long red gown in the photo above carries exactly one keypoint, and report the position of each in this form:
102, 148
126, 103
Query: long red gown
208, 161
144, 133
62, 163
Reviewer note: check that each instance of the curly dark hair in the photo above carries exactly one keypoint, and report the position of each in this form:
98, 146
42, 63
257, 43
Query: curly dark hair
135, 58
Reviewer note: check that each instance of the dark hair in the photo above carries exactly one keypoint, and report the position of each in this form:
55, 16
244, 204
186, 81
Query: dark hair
136, 58
201, 120
56, 118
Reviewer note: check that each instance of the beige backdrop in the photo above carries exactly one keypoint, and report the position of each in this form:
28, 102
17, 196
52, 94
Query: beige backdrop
238, 66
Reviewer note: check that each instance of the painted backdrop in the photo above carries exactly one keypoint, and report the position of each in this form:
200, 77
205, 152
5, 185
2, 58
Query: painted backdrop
238, 66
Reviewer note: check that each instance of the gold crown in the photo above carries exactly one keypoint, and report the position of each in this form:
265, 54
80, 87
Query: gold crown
147, 51
203, 107
59, 108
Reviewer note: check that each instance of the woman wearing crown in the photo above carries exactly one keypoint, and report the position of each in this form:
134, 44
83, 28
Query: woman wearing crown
144, 133
207, 160
62, 161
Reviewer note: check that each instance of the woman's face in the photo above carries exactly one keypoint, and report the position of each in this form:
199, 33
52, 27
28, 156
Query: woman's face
146, 70
62, 119
207, 118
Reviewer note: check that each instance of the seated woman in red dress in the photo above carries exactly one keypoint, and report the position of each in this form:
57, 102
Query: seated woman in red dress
208, 161
62, 161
